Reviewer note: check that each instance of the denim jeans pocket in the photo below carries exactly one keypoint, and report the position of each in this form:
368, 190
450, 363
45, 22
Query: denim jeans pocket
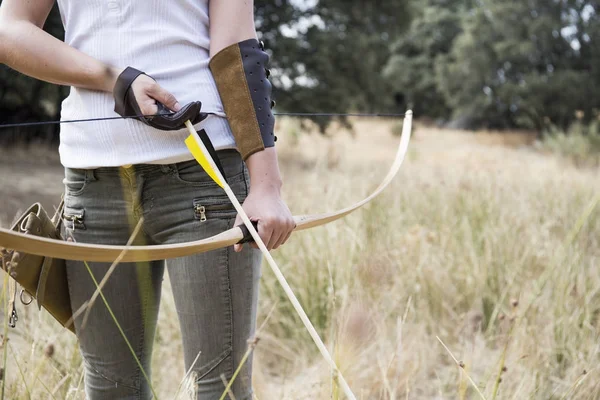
76, 180
73, 219
191, 173
215, 207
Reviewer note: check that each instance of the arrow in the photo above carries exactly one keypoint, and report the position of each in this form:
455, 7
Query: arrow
200, 152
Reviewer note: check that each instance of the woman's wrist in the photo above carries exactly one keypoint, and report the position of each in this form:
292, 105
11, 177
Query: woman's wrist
267, 186
264, 170
107, 78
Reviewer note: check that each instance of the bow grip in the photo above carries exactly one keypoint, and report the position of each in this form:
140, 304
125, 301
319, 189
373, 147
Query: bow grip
247, 236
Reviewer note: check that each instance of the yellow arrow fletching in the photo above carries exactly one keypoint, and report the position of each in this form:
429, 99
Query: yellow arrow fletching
192, 144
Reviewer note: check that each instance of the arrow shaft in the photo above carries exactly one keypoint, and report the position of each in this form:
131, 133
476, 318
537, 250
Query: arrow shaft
275, 268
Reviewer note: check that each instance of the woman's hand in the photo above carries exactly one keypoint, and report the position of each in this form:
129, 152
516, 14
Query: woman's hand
138, 95
264, 203
147, 92
275, 221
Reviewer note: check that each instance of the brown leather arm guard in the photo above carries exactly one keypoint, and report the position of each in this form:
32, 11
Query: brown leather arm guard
242, 81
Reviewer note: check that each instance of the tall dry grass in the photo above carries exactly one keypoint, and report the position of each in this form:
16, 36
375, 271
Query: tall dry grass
492, 251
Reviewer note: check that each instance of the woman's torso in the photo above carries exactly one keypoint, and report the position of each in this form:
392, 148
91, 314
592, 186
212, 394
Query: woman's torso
168, 40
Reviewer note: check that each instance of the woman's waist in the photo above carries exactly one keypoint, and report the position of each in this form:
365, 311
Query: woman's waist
127, 141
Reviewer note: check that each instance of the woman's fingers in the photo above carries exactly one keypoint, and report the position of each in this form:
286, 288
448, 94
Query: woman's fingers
266, 233
288, 226
277, 231
273, 232
281, 230
147, 92
164, 97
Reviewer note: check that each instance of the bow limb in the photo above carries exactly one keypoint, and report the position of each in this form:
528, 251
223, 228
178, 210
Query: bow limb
311, 221
93, 252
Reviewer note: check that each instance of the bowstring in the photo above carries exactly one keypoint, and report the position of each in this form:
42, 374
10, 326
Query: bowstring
282, 114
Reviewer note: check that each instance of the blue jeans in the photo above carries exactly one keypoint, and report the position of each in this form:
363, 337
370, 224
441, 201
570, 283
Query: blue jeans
215, 293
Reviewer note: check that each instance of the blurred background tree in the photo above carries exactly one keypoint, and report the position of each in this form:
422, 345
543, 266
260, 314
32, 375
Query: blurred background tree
474, 63
523, 64
329, 55
411, 70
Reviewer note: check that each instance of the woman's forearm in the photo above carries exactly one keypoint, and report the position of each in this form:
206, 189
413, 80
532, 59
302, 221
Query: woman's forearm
232, 21
263, 169
28, 49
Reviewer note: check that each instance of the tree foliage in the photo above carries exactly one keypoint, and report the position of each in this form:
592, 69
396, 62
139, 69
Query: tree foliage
505, 64
330, 56
411, 69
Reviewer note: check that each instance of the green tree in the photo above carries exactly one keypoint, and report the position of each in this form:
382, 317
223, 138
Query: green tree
330, 55
411, 70
523, 64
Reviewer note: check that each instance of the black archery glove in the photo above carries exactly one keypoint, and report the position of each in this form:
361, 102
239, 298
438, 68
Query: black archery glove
126, 105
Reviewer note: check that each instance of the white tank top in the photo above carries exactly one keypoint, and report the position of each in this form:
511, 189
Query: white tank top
168, 40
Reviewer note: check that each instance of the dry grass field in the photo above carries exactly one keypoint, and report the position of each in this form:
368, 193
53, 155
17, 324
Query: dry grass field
479, 266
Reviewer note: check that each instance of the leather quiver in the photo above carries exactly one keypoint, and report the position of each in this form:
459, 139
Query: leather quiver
43, 278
